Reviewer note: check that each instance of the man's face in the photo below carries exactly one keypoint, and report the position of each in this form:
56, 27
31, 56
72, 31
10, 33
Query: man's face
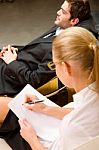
63, 16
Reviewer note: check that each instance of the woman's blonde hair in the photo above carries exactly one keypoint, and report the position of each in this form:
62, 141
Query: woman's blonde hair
78, 44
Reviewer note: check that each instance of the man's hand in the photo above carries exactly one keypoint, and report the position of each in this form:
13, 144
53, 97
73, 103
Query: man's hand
9, 54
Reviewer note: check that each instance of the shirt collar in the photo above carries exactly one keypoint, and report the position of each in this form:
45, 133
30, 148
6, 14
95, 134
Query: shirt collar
58, 31
80, 97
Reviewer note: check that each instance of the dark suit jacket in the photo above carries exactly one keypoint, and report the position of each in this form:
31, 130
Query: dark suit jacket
89, 24
31, 65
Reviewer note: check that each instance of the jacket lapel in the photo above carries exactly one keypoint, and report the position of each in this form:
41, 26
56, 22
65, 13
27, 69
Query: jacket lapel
41, 39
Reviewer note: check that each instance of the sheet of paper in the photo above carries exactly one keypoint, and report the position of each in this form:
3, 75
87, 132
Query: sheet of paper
47, 127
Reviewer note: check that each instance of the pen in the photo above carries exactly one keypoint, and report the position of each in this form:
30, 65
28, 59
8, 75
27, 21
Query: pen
34, 102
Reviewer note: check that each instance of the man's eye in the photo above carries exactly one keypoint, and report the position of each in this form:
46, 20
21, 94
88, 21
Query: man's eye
64, 12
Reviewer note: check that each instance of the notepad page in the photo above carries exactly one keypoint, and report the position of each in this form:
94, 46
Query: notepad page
46, 127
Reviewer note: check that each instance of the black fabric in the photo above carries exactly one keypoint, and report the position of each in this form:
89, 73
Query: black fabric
95, 14
89, 24
61, 98
10, 133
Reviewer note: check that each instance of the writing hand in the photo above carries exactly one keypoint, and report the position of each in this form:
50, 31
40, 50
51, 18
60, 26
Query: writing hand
33, 103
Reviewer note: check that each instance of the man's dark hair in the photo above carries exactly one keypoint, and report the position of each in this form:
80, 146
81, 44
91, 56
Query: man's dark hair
79, 9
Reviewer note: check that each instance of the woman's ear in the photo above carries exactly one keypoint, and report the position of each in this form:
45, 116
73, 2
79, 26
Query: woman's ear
67, 67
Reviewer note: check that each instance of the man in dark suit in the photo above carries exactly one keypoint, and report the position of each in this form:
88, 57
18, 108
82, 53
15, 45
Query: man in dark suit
27, 66
30, 65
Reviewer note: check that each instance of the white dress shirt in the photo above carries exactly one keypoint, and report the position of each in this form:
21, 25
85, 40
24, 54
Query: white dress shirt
58, 31
80, 125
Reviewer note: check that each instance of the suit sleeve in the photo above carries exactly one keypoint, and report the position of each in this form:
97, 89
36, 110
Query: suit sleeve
23, 74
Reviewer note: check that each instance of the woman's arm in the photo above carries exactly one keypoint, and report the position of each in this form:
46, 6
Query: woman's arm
58, 112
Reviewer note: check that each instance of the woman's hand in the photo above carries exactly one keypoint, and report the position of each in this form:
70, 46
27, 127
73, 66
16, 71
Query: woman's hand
29, 134
38, 107
26, 131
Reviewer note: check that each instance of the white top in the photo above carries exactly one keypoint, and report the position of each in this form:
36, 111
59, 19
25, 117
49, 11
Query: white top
82, 124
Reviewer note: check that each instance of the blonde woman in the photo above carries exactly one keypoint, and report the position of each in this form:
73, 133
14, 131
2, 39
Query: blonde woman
76, 57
